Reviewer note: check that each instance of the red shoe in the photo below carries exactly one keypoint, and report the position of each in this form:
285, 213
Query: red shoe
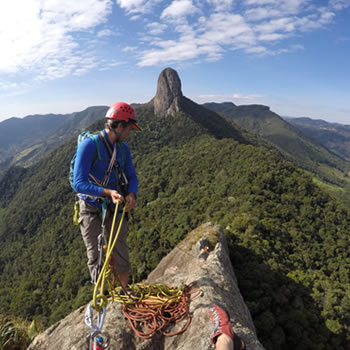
221, 322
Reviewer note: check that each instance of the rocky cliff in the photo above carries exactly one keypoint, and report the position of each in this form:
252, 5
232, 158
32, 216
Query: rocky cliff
201, 258
168, 95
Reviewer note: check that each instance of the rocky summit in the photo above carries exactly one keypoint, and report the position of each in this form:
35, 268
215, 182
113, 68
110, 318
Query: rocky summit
169, 92
201, 259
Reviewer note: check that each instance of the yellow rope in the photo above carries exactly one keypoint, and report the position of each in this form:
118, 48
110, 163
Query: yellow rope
99, 299
156, 294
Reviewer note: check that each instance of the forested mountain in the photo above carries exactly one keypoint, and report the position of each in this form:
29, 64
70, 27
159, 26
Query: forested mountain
334, 136
288, 238
24, 141
302, 150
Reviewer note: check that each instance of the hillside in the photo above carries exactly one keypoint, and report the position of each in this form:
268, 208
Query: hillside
289, 239
303, 150
333, 136
24, 141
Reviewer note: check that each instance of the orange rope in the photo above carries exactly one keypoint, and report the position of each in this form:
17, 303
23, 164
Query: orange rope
152, 315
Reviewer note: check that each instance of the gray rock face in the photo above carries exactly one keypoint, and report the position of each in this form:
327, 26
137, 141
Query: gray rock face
166, 101
203, 259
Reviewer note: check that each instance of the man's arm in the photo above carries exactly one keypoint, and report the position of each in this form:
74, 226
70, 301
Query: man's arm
86, 153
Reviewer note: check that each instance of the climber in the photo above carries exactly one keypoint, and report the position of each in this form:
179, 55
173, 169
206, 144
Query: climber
223, 336
109, 175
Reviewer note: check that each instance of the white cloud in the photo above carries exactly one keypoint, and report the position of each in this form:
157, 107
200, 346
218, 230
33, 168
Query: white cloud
156, 28
340, 4
259, 2
131, 5
256, 50
221, 5
179, 8
8, 86
207, 40
170, 52
111, 64
37, 35
285, 24
271, 36
137, 6
208, 28
129, 48
56, 36
260, 13
227, 29
105, 33
237, 98
246, 97
257, 27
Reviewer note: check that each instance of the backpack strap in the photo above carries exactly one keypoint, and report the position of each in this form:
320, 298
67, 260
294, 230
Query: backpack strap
107, 145
105, 180
96, 138
120, 175
121, 147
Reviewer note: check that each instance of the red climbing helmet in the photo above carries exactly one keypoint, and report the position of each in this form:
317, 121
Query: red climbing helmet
123, 111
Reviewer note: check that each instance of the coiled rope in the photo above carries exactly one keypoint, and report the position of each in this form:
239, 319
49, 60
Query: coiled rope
148, 308
158, 308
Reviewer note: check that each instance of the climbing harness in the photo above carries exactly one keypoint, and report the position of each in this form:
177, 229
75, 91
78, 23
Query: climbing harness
148, 308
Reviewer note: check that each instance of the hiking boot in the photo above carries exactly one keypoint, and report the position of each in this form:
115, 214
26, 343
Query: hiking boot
220, 319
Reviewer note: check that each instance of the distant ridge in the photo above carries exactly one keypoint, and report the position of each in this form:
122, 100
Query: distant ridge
333, 136
299, 147
23, 141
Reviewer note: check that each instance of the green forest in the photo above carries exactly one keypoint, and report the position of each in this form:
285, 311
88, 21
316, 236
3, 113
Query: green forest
288, 238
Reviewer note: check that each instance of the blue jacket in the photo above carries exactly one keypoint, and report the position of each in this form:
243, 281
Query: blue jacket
87, 162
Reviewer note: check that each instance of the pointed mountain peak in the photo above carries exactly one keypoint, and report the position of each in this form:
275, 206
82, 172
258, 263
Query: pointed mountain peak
168, 93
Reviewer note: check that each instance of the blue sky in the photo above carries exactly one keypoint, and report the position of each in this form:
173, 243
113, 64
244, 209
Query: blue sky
62, 56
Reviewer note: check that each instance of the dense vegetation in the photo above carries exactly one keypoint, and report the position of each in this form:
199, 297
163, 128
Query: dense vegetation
296, 146
288, 238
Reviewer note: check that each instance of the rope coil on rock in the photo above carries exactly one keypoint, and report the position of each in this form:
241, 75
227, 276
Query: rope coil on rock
159, 310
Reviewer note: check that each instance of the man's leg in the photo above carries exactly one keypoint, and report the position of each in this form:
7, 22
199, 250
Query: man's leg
224, 342
90, 227
223, 336
123, 279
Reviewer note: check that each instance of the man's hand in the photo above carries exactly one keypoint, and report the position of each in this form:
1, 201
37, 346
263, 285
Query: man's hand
130, 201
115, 195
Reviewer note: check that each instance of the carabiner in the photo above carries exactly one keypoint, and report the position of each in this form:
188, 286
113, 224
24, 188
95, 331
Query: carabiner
89, 318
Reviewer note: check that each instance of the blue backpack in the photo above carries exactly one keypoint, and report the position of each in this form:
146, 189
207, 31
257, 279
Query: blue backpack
84, 135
